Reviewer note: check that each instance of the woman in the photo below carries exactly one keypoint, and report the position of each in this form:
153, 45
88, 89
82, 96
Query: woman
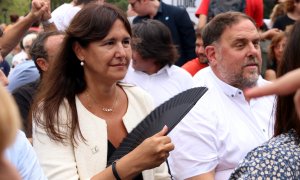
275, 55
82, 113
285, 22
279, 158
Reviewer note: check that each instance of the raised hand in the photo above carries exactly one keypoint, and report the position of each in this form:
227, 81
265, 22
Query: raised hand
154, 150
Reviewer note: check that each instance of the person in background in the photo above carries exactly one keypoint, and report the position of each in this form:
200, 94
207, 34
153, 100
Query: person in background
26, 71
175, 18
292, 14
17, 157
82, 113
194, 65
13, 20
39, 11
253, 8
279, 158
9, 124
277, 11
275, 55
63, 15
153, 60
224, 126
43, 52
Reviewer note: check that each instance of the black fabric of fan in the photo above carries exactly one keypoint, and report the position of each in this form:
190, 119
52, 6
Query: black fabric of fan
169, 113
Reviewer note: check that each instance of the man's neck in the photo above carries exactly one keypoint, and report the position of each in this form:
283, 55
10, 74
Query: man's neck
154, 8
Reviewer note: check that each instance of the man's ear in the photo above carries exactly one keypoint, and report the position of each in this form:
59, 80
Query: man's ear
42, 63
78, 51
211, 54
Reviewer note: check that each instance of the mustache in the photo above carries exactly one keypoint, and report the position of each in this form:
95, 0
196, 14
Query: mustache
251, 61
201, 55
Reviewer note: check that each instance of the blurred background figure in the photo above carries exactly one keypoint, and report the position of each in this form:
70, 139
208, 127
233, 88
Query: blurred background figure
63, 15
276, 49
292, 14
26, 71
13, 19
9, 124
153, 60
43, 52
201, 61
175, 18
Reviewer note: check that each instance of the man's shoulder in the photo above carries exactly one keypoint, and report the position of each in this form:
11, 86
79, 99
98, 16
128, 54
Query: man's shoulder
26, 90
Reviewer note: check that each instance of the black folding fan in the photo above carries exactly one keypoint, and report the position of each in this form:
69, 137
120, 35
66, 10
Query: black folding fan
169, 113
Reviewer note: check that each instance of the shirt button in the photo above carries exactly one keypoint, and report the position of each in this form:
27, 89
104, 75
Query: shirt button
264, 130
232, 95
240, 92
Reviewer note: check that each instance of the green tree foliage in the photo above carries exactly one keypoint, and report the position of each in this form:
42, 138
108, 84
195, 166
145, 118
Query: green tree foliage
21, 7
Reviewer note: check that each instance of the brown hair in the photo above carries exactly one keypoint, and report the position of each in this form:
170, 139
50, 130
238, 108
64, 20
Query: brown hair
153, 40
66, 77
286, 116
275, 40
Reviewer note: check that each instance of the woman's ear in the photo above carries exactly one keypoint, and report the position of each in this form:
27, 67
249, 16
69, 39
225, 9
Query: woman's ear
78, 51
211, 53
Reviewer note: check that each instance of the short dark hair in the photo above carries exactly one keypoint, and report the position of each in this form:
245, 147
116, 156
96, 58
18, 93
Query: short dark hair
215, 28
37, 49
152, 40
198, 33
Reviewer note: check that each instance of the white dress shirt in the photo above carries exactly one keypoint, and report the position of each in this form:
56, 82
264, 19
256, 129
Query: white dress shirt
167, 82
63, 15
220, 130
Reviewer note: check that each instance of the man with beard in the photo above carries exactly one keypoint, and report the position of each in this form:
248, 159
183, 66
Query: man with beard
224, 125
201, 61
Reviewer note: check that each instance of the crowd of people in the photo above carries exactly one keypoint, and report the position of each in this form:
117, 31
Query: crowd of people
78, 84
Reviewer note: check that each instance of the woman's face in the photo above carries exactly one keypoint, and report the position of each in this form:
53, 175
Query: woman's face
278, 49
107, 60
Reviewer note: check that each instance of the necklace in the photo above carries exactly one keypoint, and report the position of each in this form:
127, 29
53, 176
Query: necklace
105, 109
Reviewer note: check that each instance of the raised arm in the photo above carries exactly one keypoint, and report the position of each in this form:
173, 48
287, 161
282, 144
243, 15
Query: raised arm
12, 37
284, 85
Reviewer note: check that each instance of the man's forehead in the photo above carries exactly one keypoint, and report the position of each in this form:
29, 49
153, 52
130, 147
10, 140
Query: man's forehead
241, 30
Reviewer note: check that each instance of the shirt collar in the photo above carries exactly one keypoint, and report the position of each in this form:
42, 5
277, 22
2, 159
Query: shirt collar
166, 69
226, 88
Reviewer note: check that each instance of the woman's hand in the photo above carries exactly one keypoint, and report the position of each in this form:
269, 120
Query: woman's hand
151, 153
154, 150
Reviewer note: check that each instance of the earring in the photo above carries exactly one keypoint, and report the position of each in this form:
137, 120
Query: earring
81, 63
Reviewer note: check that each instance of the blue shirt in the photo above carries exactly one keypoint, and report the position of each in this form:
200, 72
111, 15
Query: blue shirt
22, 74
23, 157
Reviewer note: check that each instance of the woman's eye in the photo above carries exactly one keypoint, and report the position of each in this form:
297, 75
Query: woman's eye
109, 43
